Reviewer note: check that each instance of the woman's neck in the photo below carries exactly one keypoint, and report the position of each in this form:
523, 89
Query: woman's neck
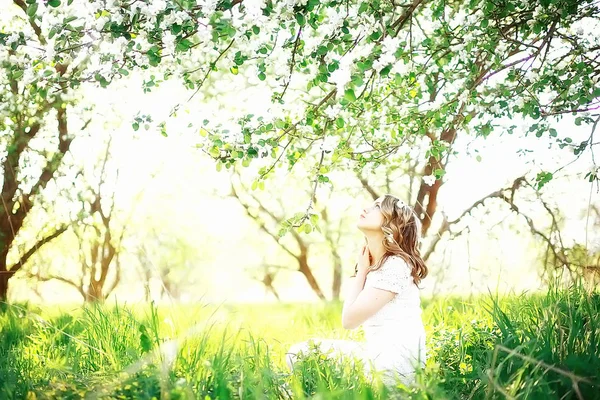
375, 243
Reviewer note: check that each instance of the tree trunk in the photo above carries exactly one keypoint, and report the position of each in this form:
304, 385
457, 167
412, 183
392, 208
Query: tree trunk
337, 276
94, 293
427, 211
4, 275
4, 286
11, 219
312, 281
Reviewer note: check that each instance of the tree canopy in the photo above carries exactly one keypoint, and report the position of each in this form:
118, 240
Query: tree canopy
353, 82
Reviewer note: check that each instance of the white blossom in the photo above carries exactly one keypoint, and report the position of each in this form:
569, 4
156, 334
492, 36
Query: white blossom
383, 61
473, 19
254, 8
100, 22
459, 19
156, 6
534, 75
340, 77
390, 44
333, 110
401, 68
495, 108
12, 38
117, 18
429, 180
169, 42
436, 24
330, 142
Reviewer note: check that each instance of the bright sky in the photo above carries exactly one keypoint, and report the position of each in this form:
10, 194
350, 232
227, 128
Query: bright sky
185, 182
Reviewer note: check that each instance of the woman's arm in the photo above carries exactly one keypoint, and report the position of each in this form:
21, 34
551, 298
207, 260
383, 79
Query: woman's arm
361, 303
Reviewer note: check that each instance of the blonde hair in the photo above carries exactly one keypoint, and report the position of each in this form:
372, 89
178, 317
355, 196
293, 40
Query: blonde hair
402, 232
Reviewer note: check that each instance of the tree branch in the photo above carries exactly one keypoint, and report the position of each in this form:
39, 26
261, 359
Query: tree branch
23, 260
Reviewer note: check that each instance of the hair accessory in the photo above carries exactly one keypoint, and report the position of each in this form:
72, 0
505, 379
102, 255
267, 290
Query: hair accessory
400, 203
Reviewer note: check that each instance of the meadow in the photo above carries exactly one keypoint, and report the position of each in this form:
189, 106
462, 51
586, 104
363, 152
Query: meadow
528, 346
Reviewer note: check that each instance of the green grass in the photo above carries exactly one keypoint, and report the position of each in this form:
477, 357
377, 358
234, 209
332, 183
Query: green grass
525, 347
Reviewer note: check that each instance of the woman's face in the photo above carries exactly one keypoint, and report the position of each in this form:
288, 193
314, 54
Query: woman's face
371, 217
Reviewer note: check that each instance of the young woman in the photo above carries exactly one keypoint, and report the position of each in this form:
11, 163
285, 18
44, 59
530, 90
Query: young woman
383, 295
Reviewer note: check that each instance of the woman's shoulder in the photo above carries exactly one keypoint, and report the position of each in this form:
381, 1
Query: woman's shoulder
392, 267
393, 275
396, 262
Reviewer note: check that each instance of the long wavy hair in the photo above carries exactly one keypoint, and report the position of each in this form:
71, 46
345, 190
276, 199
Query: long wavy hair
402, 233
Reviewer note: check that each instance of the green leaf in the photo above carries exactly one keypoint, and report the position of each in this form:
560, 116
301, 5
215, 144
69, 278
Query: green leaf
145, 342
300, 19
54, 3
542, 178
234, 70
349, 95
214, 152
439, 173
385, 71
184, 45
32, 9
314, 219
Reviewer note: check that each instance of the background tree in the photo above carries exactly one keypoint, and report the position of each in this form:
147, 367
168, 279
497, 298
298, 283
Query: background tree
37, 127
269, 210
165, 263
99, 234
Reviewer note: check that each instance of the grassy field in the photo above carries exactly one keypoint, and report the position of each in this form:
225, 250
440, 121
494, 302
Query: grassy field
526, 347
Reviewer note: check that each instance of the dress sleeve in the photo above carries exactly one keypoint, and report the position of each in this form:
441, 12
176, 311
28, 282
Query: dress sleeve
394, 275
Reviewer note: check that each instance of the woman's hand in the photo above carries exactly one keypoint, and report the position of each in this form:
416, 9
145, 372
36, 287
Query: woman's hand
364, 260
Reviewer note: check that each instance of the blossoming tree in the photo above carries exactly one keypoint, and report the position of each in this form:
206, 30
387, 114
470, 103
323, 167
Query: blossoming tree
354, 81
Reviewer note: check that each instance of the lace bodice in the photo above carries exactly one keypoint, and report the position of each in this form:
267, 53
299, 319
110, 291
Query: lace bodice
395, 276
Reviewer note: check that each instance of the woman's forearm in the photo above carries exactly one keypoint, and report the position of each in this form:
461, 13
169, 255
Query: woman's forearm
355, 286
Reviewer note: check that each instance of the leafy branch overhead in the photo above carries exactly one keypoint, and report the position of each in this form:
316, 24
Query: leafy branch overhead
369, 75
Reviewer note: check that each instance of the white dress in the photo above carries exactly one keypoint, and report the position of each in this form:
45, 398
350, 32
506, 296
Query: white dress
394, 336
